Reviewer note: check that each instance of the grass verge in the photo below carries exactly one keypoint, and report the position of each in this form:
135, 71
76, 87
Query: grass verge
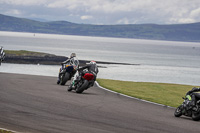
162, 93
5, 131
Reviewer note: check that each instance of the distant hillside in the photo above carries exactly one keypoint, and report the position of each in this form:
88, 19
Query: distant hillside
175, 32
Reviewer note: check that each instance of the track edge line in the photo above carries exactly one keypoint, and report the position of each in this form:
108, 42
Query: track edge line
132, 97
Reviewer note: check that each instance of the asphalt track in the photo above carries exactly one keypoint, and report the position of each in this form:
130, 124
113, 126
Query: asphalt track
36, 104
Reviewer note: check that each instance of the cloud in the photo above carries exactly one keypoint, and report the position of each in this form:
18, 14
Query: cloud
106, 11
86, 17
13, 11
195, 12
182, 20
23, 2
123, 21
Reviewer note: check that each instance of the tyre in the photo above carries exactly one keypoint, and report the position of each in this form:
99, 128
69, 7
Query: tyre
64, 78
178, 112
196, 116
82, 87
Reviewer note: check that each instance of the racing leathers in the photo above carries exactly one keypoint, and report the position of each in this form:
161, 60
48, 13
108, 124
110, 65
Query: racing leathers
92, 68
62, 68
2, 55
194, 95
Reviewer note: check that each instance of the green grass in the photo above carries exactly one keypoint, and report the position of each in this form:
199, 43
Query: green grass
5, 131
162, 93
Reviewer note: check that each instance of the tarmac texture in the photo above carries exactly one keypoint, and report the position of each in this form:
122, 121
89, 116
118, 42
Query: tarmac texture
36, 104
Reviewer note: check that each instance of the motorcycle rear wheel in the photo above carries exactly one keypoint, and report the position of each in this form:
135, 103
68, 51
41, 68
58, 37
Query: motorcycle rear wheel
64, 78
178, 112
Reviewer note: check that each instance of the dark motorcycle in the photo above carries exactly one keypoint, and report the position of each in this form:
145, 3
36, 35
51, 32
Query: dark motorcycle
82, 83
188, 110
2, 55
1, 59
68, 71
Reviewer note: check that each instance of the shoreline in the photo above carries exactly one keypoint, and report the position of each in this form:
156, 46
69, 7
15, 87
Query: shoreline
51, 61
30, 57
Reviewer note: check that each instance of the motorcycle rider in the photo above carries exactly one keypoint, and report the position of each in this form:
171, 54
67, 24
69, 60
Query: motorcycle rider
194, 95
2, 54
63, 64
92, 68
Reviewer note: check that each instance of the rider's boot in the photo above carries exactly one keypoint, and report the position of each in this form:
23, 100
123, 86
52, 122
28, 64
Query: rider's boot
58, 81
73, 84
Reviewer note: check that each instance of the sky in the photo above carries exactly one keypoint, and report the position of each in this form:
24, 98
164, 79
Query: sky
105, 12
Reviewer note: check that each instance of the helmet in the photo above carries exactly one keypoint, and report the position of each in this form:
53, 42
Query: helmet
93, 62
73, 55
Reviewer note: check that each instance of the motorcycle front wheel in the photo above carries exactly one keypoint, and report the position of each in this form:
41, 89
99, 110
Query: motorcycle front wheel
178, 112
82, 87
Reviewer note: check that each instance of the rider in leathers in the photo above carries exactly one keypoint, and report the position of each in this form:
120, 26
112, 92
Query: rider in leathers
92, 68
194, 95
2, 55
63, 63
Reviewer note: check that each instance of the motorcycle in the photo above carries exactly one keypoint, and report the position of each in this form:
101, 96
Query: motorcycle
82, 82
68, 71
2, 55
1, 59
187, 109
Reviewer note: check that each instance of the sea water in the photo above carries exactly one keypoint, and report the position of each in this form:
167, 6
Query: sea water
157, 61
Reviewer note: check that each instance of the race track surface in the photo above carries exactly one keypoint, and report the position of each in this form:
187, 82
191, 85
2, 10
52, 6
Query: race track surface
36, 104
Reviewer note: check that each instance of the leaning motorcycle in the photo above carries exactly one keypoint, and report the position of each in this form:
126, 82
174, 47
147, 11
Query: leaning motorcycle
187, 109
2, 55
68, 71
1, 59
83, 82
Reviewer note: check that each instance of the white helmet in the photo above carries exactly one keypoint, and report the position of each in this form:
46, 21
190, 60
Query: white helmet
73, 55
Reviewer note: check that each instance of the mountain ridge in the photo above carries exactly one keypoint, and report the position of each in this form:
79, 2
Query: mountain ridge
172, 32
